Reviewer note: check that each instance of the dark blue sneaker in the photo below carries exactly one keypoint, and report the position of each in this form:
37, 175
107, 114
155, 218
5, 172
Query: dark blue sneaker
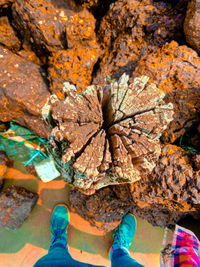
59, 222
124, 233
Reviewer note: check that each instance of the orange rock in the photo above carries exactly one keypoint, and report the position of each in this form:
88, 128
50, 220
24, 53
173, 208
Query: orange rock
192, 24
134, 28
8, 37
42, 23
175, 70
5, 4
76, 63
23, 92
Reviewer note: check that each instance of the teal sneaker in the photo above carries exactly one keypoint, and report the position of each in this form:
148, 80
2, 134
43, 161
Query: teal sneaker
124, 233
59, 223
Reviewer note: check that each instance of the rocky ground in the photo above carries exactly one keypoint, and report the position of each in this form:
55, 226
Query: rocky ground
115, 88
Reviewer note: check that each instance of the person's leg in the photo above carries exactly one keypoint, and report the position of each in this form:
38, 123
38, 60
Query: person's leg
123, 237
58, 255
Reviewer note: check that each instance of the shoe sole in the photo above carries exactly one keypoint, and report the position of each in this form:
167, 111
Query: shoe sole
62, 205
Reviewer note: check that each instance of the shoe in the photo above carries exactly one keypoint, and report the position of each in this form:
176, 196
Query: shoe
125, 232
59, 223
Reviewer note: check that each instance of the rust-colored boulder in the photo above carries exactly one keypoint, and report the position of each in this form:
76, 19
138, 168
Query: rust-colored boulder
30, 56
76, 63
122, 148
174, 182
8, 37
16, 203
173, 187
192, 24
65, 35
42, 23
104, 209
175, 70
23, 92
5, 4
163, 197
133, 28
90, 4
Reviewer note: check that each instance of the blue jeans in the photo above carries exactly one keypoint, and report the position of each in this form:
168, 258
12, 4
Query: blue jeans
58, 256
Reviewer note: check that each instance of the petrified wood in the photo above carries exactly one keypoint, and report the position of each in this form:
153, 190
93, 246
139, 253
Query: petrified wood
114, 143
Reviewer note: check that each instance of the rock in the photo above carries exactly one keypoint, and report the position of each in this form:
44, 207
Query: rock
4, 163
90, 4
122, 148
65, 35
133, 28
23, 92
104, 209
169, 193
16, 204
4, 4
175, 70
42, 23
173, 187
192, 24
27, 53
76, 63
8, 37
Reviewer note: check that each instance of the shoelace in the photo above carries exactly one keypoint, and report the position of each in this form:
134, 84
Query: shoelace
58, 232
124, 242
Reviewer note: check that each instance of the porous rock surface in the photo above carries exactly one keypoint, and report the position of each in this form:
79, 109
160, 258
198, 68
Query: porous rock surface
65, 34
192, 24
170, 192
75, 64
132, 28
42, 23
120, 149
16, 203
23, 92
177, 71
8, 37
4, 4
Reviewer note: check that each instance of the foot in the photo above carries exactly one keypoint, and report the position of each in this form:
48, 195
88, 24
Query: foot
59, 223
125, 232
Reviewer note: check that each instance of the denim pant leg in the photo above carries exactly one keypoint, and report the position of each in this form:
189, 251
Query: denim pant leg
121, 257
59, 256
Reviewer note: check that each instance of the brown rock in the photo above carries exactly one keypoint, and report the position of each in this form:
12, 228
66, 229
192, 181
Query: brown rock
67, 37
5, 4
175, 70
23, 92
42, 23
16, 204
133, 28
76, 63
89, 4
121, 149
27, 53
104, 209
192, 24
8, 37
